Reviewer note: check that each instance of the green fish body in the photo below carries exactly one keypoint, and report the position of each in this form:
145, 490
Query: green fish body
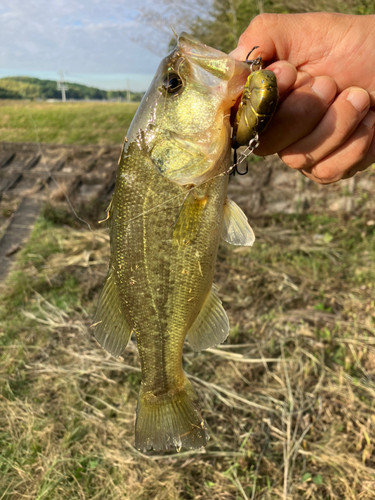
167, 215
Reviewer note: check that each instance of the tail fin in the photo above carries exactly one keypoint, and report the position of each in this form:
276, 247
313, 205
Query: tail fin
170, 421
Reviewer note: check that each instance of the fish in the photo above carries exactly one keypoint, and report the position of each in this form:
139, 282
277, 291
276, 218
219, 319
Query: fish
166, 217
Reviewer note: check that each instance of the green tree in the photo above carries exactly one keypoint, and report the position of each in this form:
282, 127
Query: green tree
226, 20
9, 94
23, 87
358, 7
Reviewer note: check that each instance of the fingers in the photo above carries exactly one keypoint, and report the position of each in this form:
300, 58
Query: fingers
298, 115
266, 32
286, 75
368, 160
289, 36
337, 125
356, 154
318, 43
326, 137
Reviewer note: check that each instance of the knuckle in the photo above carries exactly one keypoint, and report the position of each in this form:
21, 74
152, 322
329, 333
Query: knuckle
324, 177
296, 161
328, 171
258, 24
372, 147
320, 181
263, 19
362, 146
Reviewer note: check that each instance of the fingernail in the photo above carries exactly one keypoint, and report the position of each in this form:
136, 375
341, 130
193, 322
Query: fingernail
325, 88
369, 119
359, 98
286, 74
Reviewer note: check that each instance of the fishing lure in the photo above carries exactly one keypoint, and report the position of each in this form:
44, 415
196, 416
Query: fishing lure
258, 104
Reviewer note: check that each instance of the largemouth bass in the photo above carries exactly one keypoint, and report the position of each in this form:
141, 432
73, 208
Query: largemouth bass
166, 217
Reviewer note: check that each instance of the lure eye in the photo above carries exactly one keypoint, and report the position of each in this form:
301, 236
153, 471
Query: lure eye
172, 83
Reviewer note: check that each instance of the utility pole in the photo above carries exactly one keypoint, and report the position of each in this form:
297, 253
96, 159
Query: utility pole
127, 91
61, 85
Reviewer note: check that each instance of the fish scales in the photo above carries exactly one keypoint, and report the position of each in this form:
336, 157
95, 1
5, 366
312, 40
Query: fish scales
167, 215
162, 295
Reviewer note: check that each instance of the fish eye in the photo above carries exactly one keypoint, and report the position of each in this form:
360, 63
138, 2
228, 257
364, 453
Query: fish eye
172, 83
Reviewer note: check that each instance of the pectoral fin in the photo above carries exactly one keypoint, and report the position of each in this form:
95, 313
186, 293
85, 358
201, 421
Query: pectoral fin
189, 219
211, 326
112, 330
236, 229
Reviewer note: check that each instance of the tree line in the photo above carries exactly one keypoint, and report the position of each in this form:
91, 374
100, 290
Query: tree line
22, 87
220, 23
227, 19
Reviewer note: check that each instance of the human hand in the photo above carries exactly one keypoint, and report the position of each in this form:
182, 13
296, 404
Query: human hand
324, 126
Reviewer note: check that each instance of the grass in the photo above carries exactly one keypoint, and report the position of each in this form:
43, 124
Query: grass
289, 398
65, 123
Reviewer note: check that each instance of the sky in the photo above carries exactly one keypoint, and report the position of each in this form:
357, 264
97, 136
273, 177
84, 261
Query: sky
95, 42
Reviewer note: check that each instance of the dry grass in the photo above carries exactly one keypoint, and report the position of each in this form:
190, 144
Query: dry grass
289, 398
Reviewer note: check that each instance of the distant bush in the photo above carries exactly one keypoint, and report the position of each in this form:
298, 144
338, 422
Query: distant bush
9, 94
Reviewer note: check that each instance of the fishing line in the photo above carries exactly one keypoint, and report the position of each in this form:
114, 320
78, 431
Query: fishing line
253, 144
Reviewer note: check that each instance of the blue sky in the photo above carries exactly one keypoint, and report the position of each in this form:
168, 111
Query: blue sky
96, 43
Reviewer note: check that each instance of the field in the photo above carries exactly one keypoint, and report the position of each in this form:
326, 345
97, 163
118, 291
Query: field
65, 123
289, 398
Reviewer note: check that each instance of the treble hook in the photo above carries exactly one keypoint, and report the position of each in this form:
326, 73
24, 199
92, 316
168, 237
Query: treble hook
253, 62
241, 173
235, 169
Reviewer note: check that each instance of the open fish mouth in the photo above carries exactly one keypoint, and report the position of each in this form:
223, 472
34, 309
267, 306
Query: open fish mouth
188, 132
221, 67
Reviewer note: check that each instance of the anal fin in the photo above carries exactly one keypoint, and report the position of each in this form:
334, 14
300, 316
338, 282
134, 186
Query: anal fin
211, 326
236, 228
112, 330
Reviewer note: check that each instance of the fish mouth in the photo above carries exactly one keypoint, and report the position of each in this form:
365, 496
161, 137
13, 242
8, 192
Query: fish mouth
212, 60
188, 135
215, 68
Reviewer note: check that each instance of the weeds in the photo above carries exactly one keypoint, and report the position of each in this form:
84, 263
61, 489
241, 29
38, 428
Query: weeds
289, 398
